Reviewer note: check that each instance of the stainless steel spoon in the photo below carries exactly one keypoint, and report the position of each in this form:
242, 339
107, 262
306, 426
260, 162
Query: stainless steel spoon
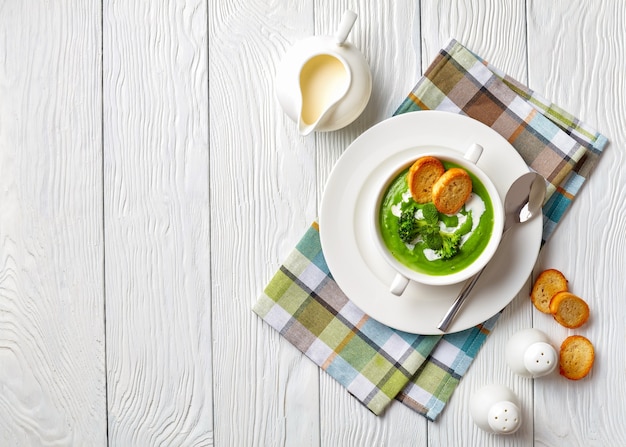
523, 201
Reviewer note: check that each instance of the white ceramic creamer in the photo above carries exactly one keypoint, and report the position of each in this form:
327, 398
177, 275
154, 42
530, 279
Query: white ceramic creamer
324, 83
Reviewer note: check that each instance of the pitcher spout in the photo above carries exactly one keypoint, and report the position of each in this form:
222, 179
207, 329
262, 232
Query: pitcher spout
306, 128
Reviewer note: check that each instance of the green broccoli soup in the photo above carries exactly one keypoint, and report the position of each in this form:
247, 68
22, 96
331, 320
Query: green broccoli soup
431, 242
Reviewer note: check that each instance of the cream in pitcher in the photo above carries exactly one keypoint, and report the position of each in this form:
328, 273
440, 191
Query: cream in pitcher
324, 80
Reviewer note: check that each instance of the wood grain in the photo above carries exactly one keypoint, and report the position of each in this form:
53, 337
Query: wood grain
496, 31
387, 41
52, 374
151, 185
157, 210
583, 71
262, 199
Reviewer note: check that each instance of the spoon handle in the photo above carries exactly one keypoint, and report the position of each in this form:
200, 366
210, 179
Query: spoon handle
528, 190
447, 319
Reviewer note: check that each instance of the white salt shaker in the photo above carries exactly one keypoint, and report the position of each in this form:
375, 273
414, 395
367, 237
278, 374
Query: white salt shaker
496, 409
530, 354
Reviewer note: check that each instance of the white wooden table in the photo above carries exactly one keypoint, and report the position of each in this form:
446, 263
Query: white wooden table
150, 185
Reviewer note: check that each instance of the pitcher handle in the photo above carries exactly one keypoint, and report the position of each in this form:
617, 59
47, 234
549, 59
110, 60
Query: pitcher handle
347, 21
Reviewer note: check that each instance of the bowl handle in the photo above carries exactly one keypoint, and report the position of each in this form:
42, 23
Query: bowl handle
473, 153
399, 284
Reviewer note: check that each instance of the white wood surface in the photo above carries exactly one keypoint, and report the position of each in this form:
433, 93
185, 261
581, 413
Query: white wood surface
150, 185
52, 335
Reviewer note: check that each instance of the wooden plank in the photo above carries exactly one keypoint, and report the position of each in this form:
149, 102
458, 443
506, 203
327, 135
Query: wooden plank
388, 36
156, 205
496, 31
263, 189
582, 70
52, 381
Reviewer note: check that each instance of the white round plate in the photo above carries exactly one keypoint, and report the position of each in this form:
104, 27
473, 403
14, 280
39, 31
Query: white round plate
346, 213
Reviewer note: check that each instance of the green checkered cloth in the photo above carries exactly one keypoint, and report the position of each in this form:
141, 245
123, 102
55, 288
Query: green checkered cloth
304, 303
378, 364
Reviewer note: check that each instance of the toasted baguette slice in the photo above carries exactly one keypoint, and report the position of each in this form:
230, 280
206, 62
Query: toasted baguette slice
576, 357
451, 190
548, 284
569, 310
421, 177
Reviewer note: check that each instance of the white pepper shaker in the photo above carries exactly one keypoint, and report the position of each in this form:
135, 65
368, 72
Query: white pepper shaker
496, 409
530, 354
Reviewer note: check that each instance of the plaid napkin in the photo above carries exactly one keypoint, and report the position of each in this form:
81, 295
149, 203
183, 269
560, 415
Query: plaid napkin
378, 364
551, 141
